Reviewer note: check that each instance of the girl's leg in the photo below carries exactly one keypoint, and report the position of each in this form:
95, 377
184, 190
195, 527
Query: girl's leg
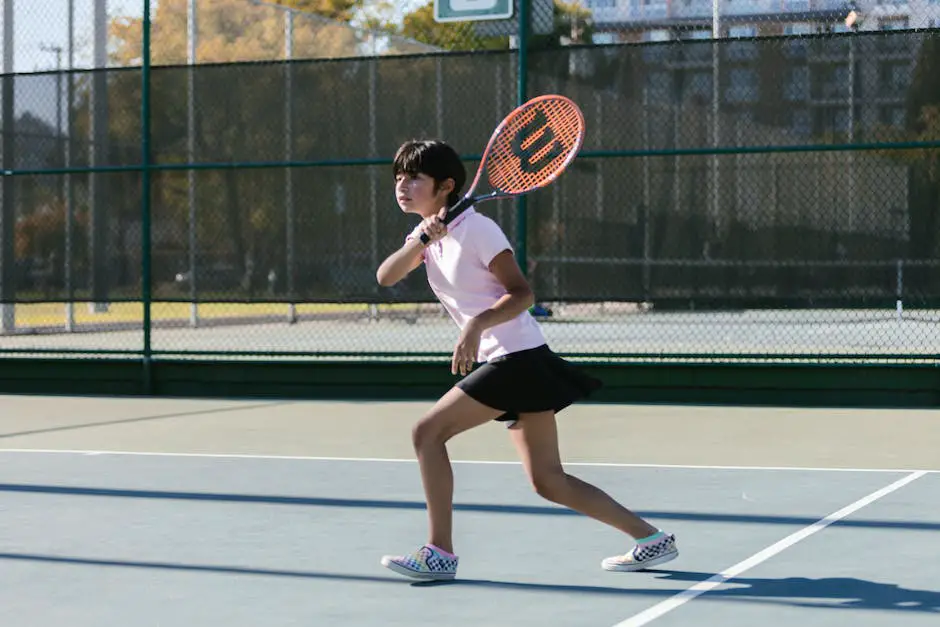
535, 437
454, 413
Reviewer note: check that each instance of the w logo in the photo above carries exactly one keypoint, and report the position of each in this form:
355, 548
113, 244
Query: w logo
538, 124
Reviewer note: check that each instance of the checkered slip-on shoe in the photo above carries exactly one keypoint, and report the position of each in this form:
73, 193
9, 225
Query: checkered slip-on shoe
428, 562
653, 551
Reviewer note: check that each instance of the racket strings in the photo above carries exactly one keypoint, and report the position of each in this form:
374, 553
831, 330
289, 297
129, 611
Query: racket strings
535, 145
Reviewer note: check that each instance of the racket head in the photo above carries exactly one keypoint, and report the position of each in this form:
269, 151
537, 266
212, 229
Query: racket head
532, 146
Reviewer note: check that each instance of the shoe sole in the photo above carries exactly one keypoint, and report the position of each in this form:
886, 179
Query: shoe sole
401, 570
630, 568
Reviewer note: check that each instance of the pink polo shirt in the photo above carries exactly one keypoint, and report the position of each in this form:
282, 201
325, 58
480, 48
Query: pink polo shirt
458, 273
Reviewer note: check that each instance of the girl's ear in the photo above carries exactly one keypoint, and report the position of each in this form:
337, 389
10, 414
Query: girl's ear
447, 185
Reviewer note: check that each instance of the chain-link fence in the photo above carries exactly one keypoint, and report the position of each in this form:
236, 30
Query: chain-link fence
770, 193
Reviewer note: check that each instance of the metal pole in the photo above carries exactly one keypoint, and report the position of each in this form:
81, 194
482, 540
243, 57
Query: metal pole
373, 183
498, 115
522, 226
69, 187
647, 196
899, 303
439, 94
851, 78
598, 138
289, 156
192, 34
7, 207
716, 108
63, 191
145, 199
98, 238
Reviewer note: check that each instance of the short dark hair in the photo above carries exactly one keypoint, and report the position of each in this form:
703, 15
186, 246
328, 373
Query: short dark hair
436, 159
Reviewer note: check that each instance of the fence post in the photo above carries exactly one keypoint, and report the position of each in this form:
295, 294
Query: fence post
145, 269
289, 218
69, 181
521, 216
100, 211
899, 289
7, 187
192, 48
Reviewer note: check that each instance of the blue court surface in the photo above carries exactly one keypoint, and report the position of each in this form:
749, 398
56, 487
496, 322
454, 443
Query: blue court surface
151, 539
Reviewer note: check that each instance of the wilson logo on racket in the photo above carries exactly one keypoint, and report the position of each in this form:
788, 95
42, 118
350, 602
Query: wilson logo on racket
529, 149
527, 154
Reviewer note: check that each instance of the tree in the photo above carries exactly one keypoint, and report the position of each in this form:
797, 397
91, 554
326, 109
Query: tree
237, 30
342, 10
239, 117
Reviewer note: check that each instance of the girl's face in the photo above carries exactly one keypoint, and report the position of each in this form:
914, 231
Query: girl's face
415, 194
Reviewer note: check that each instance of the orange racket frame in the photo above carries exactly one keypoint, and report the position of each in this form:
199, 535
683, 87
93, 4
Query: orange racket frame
529, 149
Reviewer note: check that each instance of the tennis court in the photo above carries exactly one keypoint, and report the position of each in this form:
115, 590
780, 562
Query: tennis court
199, 512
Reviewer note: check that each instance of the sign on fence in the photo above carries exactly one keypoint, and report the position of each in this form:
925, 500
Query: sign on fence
497, 18
541, 21
472, 10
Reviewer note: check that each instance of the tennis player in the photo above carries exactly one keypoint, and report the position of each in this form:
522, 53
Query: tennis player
520, 382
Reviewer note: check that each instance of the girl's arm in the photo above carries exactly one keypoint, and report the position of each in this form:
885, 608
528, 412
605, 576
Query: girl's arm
399, 264
519, 296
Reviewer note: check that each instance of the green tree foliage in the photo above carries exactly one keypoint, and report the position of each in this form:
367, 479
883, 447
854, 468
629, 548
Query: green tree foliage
342, 10
236, 30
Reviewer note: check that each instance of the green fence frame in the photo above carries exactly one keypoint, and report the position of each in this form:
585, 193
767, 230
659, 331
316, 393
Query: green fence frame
633, 379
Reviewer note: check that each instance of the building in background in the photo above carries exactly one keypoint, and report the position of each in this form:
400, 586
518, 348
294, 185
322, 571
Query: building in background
816, 80
653, 20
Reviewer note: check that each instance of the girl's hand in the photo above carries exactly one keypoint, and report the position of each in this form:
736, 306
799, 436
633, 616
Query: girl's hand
434, 226
465, 353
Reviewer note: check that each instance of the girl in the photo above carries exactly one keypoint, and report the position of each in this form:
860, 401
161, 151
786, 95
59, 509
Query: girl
472, 270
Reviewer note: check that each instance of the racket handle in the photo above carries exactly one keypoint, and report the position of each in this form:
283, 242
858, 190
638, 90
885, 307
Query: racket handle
452, 213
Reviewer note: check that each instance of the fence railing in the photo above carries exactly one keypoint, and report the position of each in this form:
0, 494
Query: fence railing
771, 197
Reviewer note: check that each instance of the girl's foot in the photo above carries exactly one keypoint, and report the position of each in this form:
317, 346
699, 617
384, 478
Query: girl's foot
428, 562
657, 549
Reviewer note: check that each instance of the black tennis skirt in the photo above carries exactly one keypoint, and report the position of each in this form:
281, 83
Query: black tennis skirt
531, 380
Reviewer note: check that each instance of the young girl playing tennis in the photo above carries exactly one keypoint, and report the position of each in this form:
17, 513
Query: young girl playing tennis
472, 270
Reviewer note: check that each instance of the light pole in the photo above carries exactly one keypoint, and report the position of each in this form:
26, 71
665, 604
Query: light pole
853, 22
69, 187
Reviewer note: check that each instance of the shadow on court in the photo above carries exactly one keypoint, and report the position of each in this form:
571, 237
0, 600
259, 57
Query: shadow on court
845, 593
490, 508
850, 592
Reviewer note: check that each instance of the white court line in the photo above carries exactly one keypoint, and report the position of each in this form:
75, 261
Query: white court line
393, 460
662, 608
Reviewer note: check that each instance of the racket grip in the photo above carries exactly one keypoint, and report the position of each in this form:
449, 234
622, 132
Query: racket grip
452, 213
459, 208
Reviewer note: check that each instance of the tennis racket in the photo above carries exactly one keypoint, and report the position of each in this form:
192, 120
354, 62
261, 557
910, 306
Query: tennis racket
529, 149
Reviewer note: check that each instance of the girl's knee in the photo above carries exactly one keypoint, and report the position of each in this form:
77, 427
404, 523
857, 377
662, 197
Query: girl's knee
550, 484
429, 431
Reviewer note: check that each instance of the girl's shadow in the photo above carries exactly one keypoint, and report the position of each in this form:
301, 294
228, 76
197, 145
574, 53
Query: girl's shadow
831, 592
